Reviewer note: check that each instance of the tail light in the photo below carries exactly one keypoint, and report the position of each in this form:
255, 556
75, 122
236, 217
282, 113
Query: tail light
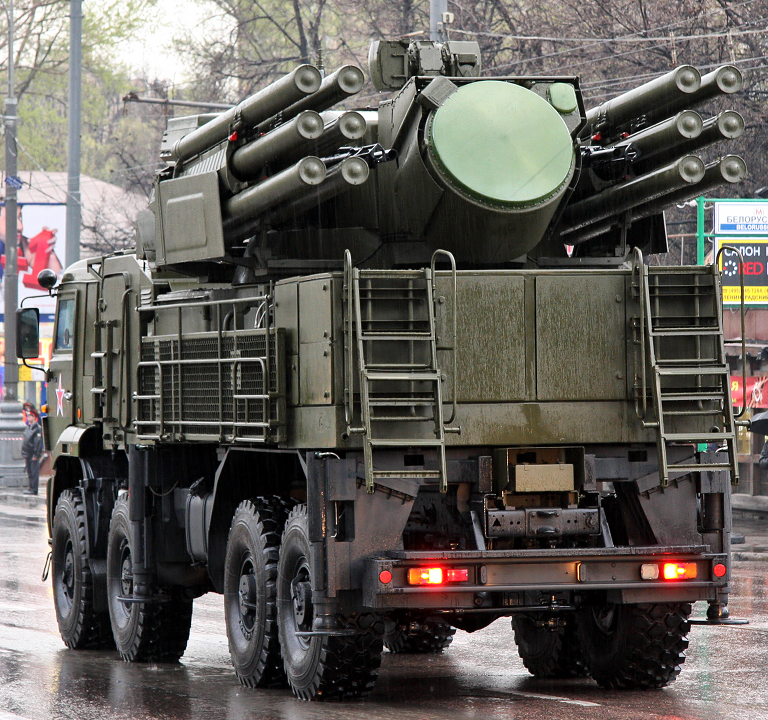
437, 575
679, 571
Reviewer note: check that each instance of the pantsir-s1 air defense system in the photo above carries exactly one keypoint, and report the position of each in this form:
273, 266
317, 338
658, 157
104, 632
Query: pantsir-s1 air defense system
353, 380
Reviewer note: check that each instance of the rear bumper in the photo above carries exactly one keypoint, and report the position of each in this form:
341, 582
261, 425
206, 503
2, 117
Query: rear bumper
512, 580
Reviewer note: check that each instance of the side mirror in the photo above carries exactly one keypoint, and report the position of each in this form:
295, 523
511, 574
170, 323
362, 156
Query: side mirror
27, 333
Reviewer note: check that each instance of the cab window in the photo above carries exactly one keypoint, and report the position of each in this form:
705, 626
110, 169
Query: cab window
65, 324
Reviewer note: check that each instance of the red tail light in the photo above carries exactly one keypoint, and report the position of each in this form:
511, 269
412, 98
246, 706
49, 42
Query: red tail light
679, 571
437, 575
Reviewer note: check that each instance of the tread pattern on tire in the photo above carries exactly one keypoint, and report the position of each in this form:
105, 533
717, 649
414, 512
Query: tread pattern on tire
348, 666
651, 651
432, 637
272, 513
558, 654
92, 629
161, 629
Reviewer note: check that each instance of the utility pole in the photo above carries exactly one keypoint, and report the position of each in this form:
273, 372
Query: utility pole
437, 12
72, 252
11, 423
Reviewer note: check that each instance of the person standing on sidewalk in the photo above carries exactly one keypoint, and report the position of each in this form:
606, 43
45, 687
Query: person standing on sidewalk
32, 450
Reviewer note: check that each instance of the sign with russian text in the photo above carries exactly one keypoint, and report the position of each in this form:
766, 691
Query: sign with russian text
753, 265
757, 391
741, 218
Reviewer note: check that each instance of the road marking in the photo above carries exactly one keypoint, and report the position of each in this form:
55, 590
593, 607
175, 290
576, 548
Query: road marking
554, 698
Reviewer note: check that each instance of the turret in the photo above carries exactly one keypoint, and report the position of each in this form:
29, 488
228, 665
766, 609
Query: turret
498, 171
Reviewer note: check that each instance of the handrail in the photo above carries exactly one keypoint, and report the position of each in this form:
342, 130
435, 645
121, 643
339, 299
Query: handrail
455, 308
349, 352
743, 324
638, 266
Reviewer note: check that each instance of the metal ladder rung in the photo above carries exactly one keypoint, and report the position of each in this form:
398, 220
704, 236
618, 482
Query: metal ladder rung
690, 395
405, 474
389, 336
406, 443
688, 413
699, 467
706, 370
686, 332
695, 437
401, 376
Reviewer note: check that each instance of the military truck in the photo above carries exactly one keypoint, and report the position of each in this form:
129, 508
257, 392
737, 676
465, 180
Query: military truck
377, 374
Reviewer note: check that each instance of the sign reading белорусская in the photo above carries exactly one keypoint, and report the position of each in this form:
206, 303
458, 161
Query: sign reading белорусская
735, 218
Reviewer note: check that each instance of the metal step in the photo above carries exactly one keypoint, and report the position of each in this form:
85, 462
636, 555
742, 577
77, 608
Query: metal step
389, 336
401, 376
696, 438
696, 371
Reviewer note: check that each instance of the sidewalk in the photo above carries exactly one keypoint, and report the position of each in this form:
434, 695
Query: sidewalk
14, 504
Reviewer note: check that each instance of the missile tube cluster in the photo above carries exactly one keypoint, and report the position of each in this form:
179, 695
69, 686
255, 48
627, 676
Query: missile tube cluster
655, 124
275, 140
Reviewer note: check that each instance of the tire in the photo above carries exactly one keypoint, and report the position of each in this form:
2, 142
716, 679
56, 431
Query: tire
321, 667
80, 625
157, 630
634, 646
413, 635
549, 653
250, 592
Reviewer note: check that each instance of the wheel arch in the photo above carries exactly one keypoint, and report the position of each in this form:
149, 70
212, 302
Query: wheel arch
244, 474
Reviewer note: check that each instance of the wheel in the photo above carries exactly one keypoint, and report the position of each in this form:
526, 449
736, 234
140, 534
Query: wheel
156, 630
634, 646
546, 653
409, 634
250, 595
80, 625
329, 667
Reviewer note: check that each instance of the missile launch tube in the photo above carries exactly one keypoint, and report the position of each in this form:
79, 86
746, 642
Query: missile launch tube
346, 81
287, 138
303, 81
728, 125
346, 128
666, 135
669, 90
729, 169
347, 174
620, 198
280, 188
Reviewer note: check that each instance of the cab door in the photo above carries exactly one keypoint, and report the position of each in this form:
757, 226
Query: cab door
64, 356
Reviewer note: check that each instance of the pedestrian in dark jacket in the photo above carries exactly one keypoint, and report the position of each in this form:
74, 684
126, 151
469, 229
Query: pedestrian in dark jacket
763, 462
32, 450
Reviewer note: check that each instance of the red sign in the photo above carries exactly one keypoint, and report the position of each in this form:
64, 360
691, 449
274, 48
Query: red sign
757, 391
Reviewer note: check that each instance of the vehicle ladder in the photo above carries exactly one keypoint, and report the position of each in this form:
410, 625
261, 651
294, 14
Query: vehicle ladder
390, 327
680, 335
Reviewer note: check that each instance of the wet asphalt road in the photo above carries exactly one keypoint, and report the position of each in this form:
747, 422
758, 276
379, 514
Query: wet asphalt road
479, 676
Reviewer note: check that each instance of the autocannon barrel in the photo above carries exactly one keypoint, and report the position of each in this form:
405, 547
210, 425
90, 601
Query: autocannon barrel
282, 93
285, 139
620, 198
665, 94
665, 135
279, 188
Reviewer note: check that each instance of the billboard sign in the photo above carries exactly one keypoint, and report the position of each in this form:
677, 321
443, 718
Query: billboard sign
741, 218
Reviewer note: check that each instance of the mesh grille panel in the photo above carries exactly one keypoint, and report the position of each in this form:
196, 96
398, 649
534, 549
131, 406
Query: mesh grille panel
207, 393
